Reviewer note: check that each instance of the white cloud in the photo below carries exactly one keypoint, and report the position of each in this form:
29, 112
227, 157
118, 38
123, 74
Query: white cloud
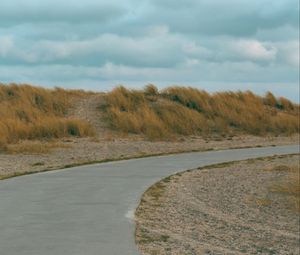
9, 50
160, 48
156, 31
254, 50
191, 48
191, 62
6, 44
289, 52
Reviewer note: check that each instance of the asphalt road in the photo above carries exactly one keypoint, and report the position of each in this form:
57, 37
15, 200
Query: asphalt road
89, 210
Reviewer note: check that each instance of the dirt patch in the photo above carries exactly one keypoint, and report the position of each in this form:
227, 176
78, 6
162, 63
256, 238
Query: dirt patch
88, 109
228, 210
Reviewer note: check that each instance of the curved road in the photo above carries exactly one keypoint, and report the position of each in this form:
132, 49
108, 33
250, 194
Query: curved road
88, 210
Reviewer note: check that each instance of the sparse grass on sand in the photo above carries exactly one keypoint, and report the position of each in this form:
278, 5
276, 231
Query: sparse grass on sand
34, 147
33, 113
188, 111
290, 186
243, 207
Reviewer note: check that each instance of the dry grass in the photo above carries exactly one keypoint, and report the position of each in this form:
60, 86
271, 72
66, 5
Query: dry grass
290, 186
34, 147
188, 111
32, 113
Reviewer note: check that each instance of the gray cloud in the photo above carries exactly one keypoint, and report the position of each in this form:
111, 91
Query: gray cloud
158, 48
184, 41
232, 17
73, 11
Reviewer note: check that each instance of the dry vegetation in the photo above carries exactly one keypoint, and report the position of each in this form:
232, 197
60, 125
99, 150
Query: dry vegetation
290, 186
189, 111
37, 114
32, 113
34, 147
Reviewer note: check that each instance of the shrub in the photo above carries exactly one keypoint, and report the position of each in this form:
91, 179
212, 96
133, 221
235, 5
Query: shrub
151, 90
270, 99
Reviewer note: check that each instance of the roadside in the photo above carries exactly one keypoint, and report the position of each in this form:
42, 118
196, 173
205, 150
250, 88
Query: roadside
39, 155
76, 151
230, 208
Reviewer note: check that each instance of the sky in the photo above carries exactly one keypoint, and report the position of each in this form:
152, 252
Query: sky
96, 44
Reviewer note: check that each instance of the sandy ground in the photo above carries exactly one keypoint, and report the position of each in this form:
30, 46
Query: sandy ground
86, 150
110, 145
227, 210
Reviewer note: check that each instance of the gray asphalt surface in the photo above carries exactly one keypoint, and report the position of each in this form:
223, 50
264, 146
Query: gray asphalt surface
89, 210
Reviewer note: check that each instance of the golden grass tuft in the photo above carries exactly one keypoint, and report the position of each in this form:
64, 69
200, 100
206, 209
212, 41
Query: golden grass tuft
189, 111
29, 113
290, 186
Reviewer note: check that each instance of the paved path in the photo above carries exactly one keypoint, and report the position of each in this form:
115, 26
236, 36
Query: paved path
89, 210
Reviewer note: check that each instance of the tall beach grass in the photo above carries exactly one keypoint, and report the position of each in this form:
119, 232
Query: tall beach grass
189, 111
33, 113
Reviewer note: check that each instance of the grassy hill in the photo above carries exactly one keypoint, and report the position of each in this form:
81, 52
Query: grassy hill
32, 113
189, 111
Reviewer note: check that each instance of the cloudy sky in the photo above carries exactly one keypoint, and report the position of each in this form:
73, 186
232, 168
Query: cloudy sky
96, 44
